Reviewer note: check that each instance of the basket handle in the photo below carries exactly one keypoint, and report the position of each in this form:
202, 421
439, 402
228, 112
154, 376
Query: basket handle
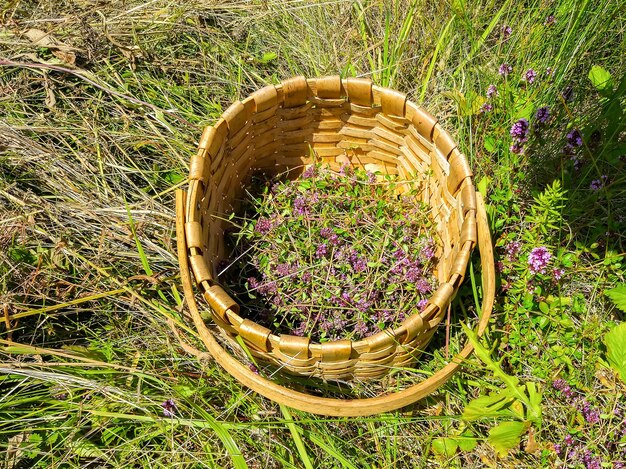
322, 405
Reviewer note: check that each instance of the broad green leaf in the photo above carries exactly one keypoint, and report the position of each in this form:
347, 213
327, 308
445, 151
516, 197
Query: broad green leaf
493, 405
506, 436
534, 396
86, 449
490, 143
482, 186
268, 57
615, 341
445, 446
466, 441
618, 296
600, 78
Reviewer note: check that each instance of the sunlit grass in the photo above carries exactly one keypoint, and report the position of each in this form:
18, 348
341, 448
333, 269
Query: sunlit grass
92, 149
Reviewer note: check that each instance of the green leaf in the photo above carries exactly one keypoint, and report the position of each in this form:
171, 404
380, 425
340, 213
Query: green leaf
490, 143
86, 449
600, 78
506, 436
618, 296
482, 186
445, 446
297, 439
268, 57
466, 441
615, 341
493, 405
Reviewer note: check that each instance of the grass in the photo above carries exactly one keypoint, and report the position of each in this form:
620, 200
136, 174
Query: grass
96, 131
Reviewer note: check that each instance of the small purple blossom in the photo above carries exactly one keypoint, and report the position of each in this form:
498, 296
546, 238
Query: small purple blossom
598, 184
549, 71
486, 108
263, 226
423, 286
283, 269
574, 138
421, 304
506, 31
568, 440
592, 415
309, 172
360, 329
538, 259
550, 20
557, 274
505, 69
492, 91
371, 177
300, 330
169, 408
326, 232
542, 115
519, 131
359, 264
321, 250
513, 249
300, 206
413, 274
516, 148
428, 251
530, 75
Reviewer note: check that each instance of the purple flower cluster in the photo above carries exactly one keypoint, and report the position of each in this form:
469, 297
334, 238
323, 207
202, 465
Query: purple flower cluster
487, 107
519, 133
331, 236
574, 141
557, 274
505, 69
492, 91
169, 408
263, 226
506, 31
513, 249
574, 450
538, 260
542, 115
550, 20
321, 251
530, 75
310, 172
574, 138
264, 288
598, 184
300, 206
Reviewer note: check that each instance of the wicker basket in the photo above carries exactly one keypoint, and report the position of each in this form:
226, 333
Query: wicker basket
349, 121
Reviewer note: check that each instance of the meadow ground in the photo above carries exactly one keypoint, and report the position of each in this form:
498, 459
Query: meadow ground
102, 105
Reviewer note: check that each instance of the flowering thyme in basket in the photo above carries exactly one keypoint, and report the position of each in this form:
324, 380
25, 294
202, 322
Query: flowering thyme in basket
334, 255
